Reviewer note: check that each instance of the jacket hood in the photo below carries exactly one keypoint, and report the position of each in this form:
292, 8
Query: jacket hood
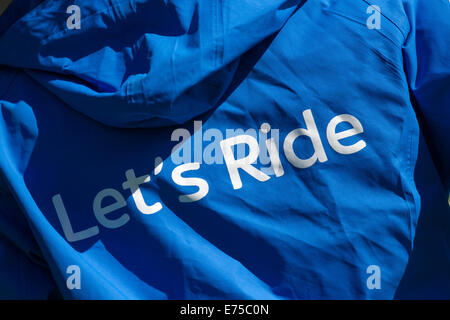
139, 63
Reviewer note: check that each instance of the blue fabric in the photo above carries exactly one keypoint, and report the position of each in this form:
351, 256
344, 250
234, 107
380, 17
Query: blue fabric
80, 108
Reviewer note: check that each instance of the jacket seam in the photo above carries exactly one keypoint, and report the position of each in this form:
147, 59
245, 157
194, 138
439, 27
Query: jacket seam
87, 18
390, 20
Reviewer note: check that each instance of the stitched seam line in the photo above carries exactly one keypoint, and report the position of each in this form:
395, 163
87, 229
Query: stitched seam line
389, 19
87, 18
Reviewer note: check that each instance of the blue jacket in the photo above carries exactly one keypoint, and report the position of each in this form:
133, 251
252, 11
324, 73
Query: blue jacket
211, 149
